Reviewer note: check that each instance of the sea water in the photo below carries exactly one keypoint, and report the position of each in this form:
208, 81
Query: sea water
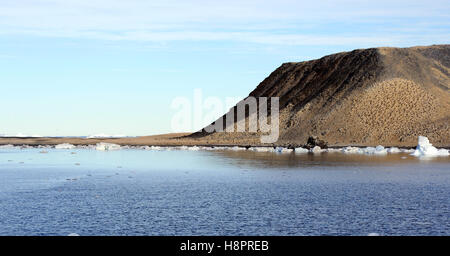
186, 192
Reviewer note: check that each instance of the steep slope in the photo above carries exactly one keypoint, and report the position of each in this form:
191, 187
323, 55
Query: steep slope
374, 96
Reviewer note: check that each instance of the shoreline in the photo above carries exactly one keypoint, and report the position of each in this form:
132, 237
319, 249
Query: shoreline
166, 140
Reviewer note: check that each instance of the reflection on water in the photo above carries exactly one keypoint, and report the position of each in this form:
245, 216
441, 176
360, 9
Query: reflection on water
137, 192
293, 160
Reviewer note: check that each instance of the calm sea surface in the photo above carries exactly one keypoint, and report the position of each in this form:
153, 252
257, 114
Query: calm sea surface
138, 192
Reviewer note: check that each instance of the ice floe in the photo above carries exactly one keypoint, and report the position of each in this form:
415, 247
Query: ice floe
7, 146
425, 148
393, 150
378, 150
316, 150
261, 149
301, 150
283, 150
107, 146
65, 146
352, 150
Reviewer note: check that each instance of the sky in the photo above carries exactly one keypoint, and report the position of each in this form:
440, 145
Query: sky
76, 67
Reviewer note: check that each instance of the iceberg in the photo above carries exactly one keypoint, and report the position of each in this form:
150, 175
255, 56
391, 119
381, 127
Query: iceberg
425, 148
107, 146
65, 146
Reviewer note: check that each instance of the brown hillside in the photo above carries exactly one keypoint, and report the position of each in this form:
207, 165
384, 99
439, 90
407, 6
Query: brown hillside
374, 96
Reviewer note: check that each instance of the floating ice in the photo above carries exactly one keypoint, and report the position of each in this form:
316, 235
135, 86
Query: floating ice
260, 149
194, 148
332, 150
380, 150
283, 150
425, 148
219, 148
316, 150
107, 146
352, 150
301, 150
65, 146
6, 146
393, 150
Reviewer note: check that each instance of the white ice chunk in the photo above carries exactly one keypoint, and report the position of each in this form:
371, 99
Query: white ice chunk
369, 150
236, 148
380, 150
107, 146
316, 150
352, 150
261, 149
283, 150
393, 150
6, 146
65, 146
301, 150
425, 148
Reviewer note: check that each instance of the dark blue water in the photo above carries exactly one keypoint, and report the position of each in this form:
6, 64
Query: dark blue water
136, 192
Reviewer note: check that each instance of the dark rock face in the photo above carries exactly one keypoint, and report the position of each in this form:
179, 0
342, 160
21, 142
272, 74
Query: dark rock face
315, 141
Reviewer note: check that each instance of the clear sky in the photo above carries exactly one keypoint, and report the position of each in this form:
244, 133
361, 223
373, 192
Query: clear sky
76, 67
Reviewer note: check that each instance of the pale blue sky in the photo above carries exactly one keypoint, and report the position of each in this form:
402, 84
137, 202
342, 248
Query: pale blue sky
74, 67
